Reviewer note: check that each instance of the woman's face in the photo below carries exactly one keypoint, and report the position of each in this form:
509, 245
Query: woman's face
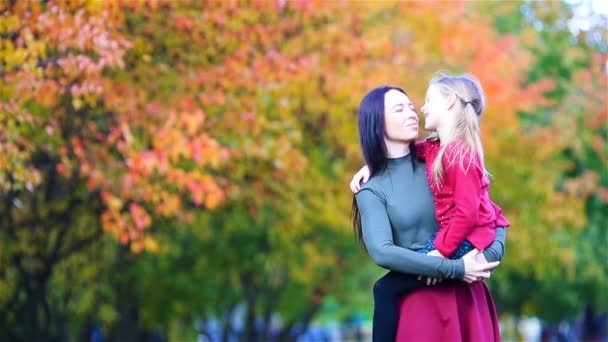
435, 108
400, 119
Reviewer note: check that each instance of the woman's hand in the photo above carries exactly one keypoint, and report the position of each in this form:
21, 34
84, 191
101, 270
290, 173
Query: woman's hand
362, 176
481, 258
475, 269
435, 253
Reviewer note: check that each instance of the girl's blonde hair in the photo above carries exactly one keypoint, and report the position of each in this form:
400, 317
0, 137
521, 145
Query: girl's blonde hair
472, 103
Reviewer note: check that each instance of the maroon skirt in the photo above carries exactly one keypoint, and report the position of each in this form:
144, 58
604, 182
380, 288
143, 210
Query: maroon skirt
454, 311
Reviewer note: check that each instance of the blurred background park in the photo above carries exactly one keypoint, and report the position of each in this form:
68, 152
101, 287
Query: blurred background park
178, 170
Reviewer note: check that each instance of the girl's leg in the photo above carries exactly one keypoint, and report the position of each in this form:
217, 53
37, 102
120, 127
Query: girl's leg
387, 292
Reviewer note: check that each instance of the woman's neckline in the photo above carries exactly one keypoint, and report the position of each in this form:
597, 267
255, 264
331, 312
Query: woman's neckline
399, 160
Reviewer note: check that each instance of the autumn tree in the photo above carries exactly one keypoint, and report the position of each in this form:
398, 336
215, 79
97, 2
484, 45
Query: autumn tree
573, 122
285, 216
192, 158
77, 161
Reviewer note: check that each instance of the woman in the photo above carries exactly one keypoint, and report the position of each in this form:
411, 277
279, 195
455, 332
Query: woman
394, 215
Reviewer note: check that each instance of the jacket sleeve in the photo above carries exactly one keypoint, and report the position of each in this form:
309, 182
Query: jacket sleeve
468, 185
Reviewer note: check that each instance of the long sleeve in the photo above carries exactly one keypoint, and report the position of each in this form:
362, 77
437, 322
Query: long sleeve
378, 238
497, 249
467, 197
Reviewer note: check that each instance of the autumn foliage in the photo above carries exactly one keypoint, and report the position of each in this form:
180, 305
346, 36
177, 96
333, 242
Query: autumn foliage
215, 141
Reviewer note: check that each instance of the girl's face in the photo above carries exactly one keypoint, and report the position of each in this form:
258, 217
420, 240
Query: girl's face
400, 119
436, 109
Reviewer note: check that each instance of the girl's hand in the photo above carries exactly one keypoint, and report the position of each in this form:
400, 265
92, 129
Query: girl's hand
431, 280
362, 176
475, 270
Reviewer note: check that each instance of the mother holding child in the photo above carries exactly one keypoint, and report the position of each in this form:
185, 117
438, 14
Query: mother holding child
424, 213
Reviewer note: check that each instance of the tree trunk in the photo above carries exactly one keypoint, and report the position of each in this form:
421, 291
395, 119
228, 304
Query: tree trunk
127, 328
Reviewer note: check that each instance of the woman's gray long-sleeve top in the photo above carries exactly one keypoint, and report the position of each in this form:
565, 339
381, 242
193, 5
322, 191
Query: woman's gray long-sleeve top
397, 218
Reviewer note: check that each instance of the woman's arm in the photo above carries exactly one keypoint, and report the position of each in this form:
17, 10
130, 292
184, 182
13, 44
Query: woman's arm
378, 237
496, 250
421, 149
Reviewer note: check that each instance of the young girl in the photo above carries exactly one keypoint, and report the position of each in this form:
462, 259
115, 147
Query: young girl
457, 177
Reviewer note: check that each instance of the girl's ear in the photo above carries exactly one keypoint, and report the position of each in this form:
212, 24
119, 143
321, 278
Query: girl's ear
451, 100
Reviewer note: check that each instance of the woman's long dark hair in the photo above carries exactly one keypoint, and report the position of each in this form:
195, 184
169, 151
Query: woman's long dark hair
373, 146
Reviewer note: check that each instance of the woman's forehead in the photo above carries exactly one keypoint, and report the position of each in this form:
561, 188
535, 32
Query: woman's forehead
394, 97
